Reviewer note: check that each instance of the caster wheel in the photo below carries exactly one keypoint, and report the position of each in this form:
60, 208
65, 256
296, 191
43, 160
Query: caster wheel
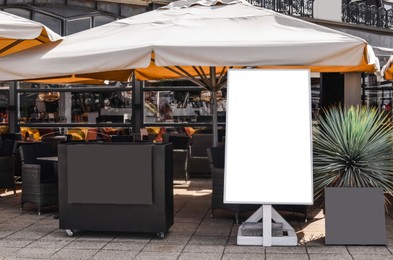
161, 235
70, 232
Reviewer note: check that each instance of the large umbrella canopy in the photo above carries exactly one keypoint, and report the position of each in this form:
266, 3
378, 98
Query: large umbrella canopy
193, 33
18, 33
193, 39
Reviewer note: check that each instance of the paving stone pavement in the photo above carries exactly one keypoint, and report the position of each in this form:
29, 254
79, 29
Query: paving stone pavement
194, 235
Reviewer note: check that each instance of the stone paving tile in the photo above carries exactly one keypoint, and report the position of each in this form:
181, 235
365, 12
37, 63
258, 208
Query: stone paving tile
248, 256
235, 249
173, 238
389, 241
186, 220
68, 253
48, 244
286, 257
313, 242
389, 228
311, 238
204, 249
195, 235
36, 252
10, 227
41, 228
8, 251
18, 243
114, 255
156, 255
58, 235
286, 250
5, 233
314, 226
390, 248
28, 234
331, 257
125, 246
232, 241
86, 244
368, 250
140, 237
208, 240
204, 256
327, 250
99, 236
234, 230
184, 228
163, 247
213, 229
372, 257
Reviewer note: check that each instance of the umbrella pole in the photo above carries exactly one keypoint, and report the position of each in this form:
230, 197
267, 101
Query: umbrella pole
214, 105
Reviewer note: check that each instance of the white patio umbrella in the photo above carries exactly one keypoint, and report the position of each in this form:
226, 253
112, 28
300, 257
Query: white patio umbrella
193, 39
18, 33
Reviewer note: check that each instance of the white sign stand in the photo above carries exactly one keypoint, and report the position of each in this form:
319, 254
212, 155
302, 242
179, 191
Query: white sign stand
267, 213
284, 140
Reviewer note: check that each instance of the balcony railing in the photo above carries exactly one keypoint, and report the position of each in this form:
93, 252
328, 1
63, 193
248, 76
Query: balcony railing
302, 8
370, 15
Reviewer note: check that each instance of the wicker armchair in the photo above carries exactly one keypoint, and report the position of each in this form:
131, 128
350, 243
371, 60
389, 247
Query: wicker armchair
39, 184
198, 162
54, 141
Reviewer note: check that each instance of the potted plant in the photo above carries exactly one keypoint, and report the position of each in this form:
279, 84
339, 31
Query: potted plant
353, 148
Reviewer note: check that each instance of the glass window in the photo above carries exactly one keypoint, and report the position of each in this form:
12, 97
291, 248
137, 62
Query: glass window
82, 105
75, 107
182, 106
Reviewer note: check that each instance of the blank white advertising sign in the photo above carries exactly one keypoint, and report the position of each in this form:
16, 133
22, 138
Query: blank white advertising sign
268, 137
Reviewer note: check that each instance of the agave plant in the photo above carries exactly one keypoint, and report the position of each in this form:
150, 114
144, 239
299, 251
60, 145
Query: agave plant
353, 147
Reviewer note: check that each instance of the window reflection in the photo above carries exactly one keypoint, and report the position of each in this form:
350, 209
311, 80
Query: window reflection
182, 106
75, 107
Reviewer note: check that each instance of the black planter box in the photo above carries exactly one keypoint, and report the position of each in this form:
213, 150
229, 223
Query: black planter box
116, 187
355, 216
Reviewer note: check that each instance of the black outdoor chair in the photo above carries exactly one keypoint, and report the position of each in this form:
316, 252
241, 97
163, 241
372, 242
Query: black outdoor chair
198, 162
39, 185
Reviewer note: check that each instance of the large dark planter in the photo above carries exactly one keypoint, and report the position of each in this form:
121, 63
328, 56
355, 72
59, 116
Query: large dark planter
355, 216
116, 187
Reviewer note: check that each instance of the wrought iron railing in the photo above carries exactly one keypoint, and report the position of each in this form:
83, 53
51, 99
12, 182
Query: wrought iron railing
302, 8
370, 15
